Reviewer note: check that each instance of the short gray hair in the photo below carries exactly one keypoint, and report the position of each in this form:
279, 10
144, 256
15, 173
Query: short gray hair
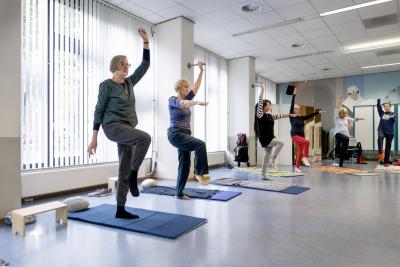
117, 63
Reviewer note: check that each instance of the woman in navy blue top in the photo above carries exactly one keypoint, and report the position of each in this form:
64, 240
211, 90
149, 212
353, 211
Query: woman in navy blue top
179, 134
385, 130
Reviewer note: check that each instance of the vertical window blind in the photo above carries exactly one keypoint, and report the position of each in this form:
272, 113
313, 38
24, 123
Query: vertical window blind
66, 50
210, 123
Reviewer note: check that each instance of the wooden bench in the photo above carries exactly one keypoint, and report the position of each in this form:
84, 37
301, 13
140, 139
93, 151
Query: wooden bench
18, 216
112, 183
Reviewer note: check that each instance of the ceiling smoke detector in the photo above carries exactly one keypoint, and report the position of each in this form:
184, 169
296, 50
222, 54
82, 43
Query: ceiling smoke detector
251, 8
297, 45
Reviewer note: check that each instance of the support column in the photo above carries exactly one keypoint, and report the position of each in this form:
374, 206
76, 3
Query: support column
10, 106
175, 48
241, 103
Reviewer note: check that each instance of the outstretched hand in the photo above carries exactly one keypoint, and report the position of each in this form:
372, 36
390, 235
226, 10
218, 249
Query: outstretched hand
143, 34
203, 103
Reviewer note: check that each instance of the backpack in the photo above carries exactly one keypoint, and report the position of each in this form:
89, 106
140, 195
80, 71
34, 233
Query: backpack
242, 140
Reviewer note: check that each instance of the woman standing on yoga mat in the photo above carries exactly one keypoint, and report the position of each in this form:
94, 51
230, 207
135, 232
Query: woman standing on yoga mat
115, 112
385, 131
297, 132
179, 134
264, 128
342, 133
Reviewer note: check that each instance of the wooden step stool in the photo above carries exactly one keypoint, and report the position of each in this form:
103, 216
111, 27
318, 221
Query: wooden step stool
112, 183
18, 216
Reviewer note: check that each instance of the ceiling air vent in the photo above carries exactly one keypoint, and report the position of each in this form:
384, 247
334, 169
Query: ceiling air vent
271, 26
306, 55
251, 8
297, 45
380, 21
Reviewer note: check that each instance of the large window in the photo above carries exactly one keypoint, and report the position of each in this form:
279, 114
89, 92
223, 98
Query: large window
210, 123
66, 49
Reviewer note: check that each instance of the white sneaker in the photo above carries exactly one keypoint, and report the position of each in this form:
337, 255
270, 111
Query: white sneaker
305, 161
297, 170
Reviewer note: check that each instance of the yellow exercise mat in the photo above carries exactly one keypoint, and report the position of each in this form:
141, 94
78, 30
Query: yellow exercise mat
338, 170
271, 172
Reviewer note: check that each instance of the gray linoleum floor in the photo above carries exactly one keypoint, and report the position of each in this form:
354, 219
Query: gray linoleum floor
343, 220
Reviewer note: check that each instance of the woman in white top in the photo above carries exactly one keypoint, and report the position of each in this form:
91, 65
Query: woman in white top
342, 130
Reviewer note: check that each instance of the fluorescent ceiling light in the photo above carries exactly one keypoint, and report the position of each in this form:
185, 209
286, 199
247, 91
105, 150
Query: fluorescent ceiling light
353, 7
383, 65
372, 45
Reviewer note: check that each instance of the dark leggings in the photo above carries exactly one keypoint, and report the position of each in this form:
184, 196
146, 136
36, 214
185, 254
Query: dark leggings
342, 143
388, 145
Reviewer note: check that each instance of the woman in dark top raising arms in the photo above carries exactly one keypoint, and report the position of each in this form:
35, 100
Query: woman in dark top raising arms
264, 127
179, 134
297, 133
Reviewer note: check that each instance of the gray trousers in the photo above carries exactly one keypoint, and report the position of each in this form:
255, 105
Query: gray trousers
132, 148
271, 152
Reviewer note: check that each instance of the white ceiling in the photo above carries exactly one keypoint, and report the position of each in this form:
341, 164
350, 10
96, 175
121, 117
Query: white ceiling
216, 21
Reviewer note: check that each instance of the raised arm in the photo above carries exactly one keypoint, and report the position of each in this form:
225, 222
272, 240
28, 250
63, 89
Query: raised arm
144, 66
260, 111
379, 108
197, 84
292, 104
339, 104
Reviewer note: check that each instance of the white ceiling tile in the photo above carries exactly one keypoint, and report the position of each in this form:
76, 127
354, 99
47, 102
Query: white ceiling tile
318, 33
384, 32
238, 26
378, 10
219, 17
277, 4
175, 11
115, 2
257, 37
204, 6
348, 27
154, 18
135, 9
280, 32
328, 40
326, 5
309, 25
341, 18
353, 37
153, 5
261, 20
298, 10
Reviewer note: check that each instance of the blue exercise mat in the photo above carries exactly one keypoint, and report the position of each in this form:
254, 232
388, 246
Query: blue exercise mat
193, 193
161, 224
260, 185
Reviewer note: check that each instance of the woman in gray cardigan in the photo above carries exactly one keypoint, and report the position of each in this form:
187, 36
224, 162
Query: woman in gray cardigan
115, 112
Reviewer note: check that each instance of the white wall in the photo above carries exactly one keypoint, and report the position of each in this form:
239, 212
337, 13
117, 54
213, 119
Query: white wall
241, 74
174, 49
10, 106
48, 181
